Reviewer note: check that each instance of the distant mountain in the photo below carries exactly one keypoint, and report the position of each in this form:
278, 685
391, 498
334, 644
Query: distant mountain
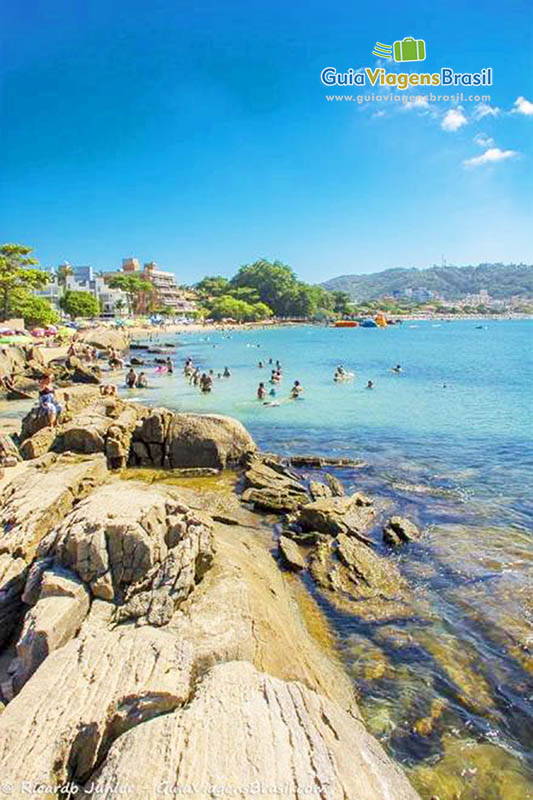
500, 280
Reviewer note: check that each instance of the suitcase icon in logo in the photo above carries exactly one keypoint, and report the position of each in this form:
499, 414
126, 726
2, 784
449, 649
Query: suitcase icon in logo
410, 49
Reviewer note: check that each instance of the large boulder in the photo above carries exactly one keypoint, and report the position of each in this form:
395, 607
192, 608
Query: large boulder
104, 338
81, 372
105, 426
245, 732
164, 439
33, 503
73, 400
134, 546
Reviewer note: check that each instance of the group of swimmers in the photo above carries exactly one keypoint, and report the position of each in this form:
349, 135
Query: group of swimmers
136, 381
276, 376
204, 380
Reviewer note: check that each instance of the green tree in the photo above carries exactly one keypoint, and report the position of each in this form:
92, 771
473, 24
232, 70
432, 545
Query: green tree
341, 303
228, 307
134, 288
35, 311
272, 281
16, 274
214, 286
79, 304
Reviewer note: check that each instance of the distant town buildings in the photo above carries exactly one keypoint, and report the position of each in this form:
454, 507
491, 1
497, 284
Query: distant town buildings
166, 294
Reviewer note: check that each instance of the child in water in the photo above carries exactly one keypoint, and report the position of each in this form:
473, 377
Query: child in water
296, 390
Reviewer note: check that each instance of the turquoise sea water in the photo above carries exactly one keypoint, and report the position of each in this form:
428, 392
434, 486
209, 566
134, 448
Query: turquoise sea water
449, 443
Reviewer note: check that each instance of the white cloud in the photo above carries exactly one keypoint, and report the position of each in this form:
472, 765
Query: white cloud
523, 106
483, 140
490, 156
420, 103
485, 110
379, 114
453, 119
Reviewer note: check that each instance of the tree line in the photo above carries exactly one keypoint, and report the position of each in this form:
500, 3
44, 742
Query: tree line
265, 289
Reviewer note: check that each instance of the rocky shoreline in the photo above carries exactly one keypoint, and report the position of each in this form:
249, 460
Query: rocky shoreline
150, 639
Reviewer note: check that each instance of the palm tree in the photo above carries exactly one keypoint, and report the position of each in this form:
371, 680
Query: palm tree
120, 304
63, 272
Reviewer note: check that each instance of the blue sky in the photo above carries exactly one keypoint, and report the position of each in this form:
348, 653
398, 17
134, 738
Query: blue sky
198, 135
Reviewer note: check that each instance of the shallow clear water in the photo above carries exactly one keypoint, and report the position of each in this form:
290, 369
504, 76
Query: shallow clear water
449, 442
448, 689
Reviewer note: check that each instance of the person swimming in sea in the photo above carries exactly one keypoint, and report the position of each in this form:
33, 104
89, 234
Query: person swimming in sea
261, 391
396, 369
260, 365
169, 366
206, 383
142, 381
370, 385
131, 379
296, 391
226, 373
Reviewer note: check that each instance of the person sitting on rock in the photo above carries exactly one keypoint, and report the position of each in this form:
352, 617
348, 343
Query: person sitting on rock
47, 400
108, 389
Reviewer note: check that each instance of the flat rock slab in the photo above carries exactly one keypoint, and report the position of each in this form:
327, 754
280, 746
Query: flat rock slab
86, 694
245, 729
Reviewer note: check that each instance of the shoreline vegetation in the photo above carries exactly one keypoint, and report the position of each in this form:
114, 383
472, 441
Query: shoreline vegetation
151, 581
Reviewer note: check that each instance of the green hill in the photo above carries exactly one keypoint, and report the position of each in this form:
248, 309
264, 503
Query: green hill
452, 283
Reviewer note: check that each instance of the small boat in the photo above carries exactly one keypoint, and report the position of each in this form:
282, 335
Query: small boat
346, 323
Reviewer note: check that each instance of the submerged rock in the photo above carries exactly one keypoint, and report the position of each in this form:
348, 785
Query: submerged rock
400, 530
360, 580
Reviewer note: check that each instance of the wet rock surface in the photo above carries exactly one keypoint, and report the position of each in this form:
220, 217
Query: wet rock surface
400, 530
